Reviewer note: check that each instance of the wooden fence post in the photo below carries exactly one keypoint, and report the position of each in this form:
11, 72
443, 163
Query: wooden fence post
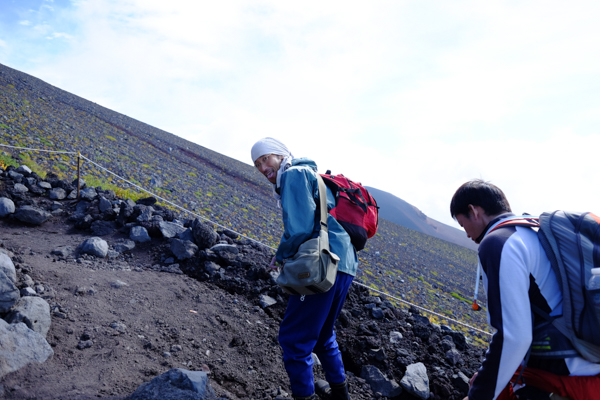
78, 172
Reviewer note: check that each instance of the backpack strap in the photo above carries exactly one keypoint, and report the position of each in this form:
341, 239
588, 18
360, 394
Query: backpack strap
522, 220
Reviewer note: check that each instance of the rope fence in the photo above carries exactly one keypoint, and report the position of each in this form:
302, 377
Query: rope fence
79, 156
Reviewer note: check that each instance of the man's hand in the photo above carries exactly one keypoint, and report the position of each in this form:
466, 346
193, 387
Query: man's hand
471, 383
273, 262
472, 379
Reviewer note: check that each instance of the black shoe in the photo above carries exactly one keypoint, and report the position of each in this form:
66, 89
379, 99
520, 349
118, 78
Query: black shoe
334, 391
311, 397
323, 389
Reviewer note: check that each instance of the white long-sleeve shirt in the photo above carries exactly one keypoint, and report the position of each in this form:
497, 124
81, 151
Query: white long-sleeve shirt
516, 272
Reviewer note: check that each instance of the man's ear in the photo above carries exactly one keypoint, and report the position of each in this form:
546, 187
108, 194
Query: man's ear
474, 212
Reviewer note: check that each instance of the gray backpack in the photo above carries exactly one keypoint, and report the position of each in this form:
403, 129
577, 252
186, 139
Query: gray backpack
572, 243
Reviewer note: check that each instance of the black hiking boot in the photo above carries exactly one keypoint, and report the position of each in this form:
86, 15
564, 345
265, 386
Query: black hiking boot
311, 397
334, 391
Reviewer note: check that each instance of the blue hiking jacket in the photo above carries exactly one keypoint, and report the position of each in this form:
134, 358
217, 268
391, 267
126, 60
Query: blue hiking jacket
299, 193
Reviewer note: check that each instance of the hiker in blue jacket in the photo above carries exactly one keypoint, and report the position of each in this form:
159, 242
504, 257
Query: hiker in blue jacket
517, 277
307, 326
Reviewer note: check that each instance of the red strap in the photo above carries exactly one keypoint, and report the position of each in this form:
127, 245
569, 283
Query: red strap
572, 387
534, 223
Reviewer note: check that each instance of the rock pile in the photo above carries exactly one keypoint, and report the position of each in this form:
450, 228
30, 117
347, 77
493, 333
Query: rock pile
26, 319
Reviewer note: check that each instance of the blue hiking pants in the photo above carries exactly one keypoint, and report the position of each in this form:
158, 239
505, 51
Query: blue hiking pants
308, 327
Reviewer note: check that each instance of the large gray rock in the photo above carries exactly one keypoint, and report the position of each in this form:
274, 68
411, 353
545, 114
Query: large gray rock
81, 182
266, 301
7, 206
124, 245
227, 248
176, 384
88, 194
145, 213
139, 234
211, 268
415, 381
104, 204
453, 356
7, 266
183, 249
461, 382
15, 176
186, 235
62, 251
94, 246
102, 228
24, 170
9, 293
57, 193
20, 188
379, 382
20, 346
170, 229
204, 234
125, 211
33, 312
32, 215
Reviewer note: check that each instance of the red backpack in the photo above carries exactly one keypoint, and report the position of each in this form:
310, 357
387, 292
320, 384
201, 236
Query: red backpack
355, 209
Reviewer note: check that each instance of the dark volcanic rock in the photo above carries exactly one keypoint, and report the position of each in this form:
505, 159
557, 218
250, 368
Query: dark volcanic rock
204, 234
32, 215
176, 384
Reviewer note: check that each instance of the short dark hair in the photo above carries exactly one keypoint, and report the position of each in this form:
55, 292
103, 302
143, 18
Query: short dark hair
479, 193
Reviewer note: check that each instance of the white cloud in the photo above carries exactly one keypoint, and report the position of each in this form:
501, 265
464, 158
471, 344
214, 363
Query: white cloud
404, 96
61, 35
24, 23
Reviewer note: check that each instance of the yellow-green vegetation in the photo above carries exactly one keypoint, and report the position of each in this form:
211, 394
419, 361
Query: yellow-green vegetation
5, 161
192, 174
459, 297
110, 137
34, 166
44, 141
125, 193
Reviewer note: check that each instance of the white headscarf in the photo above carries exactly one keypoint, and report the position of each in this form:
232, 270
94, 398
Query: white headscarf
268, 145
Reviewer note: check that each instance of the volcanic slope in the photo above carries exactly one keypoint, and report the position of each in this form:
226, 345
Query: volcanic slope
416, 267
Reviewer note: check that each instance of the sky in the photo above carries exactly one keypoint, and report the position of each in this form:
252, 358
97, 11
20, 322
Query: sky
411, 97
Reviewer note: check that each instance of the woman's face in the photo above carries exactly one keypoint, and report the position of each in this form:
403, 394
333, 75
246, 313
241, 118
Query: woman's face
268, 165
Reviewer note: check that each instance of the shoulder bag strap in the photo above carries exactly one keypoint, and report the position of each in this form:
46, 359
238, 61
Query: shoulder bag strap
322, 202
